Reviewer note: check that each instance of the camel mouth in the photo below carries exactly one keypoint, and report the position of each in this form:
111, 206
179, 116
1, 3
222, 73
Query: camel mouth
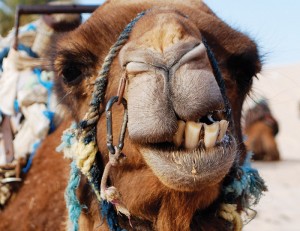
200, 154
205, 133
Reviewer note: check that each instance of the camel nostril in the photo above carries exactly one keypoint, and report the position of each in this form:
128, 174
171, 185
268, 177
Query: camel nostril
206, 120
213, 117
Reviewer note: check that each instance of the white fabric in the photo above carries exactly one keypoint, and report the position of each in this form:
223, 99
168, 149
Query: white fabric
38, 122
19, 82
15, 122
8, 88
19, 60
17, 71
28, 96
35, 127
23, 141
26, 37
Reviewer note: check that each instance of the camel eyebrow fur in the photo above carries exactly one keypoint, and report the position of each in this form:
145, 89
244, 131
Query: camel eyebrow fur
75, 56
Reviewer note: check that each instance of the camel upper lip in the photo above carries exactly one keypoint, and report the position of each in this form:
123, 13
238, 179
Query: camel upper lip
207, 132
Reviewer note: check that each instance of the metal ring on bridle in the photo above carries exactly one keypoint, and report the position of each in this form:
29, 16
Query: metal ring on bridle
109, 136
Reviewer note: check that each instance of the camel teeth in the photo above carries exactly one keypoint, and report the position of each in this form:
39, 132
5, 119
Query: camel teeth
223, 128
178, 137
192, 134
210, 134
188, 133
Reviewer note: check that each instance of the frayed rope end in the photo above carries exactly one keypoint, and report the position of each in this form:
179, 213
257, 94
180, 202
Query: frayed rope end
73, 205
249, 186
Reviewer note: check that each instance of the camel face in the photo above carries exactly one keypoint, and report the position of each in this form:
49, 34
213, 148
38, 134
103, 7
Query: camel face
176, 118
174, 103
179, 143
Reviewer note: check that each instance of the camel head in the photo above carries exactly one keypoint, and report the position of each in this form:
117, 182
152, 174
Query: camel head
179, 139
175, 106
261, 128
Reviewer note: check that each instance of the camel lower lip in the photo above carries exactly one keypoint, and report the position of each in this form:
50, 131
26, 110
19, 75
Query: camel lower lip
190, 170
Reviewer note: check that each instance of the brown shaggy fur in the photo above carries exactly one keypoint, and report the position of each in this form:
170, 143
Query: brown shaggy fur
261, 129
153, 206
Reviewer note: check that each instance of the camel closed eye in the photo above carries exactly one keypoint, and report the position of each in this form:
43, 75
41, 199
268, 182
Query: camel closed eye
134, 68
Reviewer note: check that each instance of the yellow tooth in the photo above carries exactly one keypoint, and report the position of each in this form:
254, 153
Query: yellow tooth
210, 134
223, 129
192, 134
177, 138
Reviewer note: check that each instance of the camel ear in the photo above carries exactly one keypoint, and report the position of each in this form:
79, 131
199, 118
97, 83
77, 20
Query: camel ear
243, 66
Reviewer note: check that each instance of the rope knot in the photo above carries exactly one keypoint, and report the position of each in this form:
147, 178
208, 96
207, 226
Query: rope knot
112, 195
117, 158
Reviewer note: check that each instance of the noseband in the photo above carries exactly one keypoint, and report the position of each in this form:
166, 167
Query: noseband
80, 142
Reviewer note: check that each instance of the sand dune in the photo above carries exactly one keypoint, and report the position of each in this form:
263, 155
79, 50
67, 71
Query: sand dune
279, 209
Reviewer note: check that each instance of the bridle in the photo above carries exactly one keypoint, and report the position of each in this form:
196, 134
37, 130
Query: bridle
81, 140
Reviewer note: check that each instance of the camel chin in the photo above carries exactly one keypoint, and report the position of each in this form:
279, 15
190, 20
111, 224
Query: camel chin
191, 169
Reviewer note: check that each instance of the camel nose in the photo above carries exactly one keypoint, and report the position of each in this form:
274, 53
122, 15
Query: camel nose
158, 98
194, 91
170, 78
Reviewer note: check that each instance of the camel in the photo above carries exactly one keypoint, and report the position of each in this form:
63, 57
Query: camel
261, 128
184, 74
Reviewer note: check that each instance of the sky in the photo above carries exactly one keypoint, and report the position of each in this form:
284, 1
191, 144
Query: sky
273, 24
5, 8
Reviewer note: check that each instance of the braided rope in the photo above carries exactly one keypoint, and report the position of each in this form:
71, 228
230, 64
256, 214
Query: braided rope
82, 141
88, 124
229, 213
92, 116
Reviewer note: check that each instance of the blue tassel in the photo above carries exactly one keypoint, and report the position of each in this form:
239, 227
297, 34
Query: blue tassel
73, 204
108, 212
68, 138
107, 209
249, 186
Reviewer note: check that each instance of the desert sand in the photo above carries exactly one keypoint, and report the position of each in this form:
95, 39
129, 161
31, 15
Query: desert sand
279, 208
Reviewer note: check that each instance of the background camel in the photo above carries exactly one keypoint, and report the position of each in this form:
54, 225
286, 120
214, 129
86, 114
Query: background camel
168, 181
260, 129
